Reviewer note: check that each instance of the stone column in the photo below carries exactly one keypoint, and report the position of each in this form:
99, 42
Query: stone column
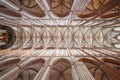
44, 71
104, 67
46, 74
15, 71
9, 61
83, 72
74, 73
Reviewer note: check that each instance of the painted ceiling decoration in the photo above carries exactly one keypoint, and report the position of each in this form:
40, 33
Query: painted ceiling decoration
29, 6
7, 37
96, 7
5, 11
60, 8
62, 69
42, 12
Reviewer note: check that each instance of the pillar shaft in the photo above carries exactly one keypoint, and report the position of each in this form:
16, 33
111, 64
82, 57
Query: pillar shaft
83, 72
17, 69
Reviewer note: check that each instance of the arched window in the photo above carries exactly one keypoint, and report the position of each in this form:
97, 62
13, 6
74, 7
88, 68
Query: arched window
117, 29
117, 46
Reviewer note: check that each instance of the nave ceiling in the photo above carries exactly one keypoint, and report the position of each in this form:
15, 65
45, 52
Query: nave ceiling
59, 39
70, 23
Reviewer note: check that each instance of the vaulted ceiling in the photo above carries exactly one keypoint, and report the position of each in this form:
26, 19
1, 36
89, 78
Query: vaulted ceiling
69, 23
58, 12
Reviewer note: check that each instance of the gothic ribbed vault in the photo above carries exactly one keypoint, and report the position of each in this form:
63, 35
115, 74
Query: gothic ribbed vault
59, 39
